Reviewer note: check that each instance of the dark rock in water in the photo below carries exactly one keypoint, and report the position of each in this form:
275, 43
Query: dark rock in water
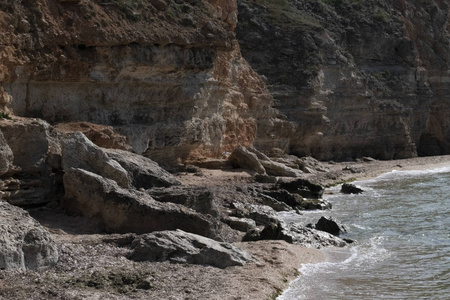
349, 241
311, 204
276, 229
302, 187
184, 247
330, 225
348, 188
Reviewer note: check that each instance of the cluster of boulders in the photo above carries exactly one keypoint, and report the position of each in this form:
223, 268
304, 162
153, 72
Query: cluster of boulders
129, 193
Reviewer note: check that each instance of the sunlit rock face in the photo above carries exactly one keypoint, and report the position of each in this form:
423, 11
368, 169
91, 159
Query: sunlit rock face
330, 79
168, 77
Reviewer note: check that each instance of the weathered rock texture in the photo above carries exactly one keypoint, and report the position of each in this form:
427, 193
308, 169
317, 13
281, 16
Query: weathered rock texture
355, 77
168, 75
24, 243
121, 210
30, 155
182, 247
144, 172
79, 152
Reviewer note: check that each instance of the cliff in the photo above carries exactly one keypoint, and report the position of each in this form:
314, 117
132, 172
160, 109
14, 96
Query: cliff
357, 78
344, 79
168, 75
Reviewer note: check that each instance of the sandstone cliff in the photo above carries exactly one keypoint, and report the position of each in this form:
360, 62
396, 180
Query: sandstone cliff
168, 75
355, 77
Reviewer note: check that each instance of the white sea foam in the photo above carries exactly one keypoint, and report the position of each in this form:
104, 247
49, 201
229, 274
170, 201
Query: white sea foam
398, 173
401, 222
338, 260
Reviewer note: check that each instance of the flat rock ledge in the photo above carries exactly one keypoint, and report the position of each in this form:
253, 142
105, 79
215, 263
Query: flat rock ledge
24, 243
183, 247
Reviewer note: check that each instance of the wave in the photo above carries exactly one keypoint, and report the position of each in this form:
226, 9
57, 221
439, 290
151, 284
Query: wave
338, 260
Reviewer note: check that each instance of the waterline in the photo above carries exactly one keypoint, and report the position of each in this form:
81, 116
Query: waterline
401, 223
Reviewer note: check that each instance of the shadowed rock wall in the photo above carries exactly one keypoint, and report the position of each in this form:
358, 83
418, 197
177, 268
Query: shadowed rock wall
356, 77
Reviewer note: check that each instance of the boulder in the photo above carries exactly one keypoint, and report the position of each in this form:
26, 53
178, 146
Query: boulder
262, 214
79, 152
259, 154
272, 202
121, 210
309, 164
278, 169
145, 173
101, 135
200, 199
241, 224
25, 244
182, 247
302, 187
242, 158
329, 225
296, 201
293, 200
298, 234
34, 169
29, 141
348, 188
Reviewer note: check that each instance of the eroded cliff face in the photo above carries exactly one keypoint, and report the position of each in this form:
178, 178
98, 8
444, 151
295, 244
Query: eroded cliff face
168, 75
346, 78
355, 77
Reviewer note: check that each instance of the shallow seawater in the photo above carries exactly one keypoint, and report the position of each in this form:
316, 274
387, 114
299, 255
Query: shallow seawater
402, 225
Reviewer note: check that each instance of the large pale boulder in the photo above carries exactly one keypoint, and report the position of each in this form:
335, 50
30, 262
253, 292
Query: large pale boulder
278, 169
122, 210
29, 140
24, 243
145, 173
184, 247
32, 172
79, 152
243, 158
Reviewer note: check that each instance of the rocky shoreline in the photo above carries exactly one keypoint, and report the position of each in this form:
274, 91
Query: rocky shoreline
115, 231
